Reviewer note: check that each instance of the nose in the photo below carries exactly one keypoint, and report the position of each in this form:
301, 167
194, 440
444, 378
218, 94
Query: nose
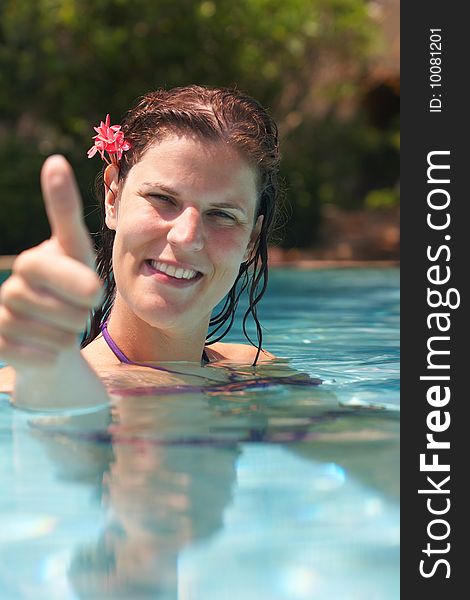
186, 230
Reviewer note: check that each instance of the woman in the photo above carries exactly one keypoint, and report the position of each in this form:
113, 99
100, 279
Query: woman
189, 201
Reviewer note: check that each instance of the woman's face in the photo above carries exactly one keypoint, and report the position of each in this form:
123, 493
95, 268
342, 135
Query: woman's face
184, 221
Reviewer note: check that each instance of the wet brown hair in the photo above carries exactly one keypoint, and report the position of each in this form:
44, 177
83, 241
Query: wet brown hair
214, 114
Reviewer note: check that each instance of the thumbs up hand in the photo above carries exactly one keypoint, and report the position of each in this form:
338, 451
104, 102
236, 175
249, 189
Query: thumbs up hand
46, 301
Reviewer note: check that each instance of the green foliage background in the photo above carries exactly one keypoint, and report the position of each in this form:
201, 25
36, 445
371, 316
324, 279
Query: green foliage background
64, 64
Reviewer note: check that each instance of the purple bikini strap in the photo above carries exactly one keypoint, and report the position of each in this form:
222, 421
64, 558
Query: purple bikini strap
123, 358
112, 344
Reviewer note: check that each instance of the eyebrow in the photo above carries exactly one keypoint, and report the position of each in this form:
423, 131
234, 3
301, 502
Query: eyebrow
165, 188
172, 192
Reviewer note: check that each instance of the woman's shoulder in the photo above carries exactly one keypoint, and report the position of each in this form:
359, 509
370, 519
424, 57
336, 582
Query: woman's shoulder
237, 353
98, 354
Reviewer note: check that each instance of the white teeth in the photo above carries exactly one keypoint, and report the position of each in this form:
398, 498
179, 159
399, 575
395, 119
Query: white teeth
178, 273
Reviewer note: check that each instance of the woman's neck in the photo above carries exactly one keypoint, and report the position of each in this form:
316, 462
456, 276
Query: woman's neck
142, 342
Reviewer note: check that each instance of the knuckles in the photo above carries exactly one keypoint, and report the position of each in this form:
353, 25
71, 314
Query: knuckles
31, 268
61, 308
12, 291
27, 261
92, 288
4, 348
14, 329
44, 304
4, 320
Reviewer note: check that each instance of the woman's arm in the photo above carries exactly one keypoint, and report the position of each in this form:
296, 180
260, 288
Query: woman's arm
45, 304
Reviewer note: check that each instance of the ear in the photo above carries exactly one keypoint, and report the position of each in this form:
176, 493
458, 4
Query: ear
111, 174
253, 237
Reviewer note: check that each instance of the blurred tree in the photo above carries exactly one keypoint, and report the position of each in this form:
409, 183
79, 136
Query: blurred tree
65, 63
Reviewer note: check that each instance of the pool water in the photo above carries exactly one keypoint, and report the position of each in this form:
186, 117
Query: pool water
280, 491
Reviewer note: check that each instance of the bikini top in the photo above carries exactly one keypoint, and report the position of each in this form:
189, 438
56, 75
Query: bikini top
234, 383
124, 359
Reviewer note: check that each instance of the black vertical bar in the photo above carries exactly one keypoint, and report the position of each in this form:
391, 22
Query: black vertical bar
434, 119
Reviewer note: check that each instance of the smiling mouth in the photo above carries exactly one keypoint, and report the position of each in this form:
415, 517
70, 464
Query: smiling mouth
175, 272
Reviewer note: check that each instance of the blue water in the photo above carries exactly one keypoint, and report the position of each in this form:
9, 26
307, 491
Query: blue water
282, 492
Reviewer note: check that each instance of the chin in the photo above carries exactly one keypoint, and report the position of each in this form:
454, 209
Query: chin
162, 316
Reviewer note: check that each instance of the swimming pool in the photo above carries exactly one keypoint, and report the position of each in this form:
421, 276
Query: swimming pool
281, 492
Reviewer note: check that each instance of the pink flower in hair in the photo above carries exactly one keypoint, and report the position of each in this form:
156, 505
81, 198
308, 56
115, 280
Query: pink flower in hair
109, 139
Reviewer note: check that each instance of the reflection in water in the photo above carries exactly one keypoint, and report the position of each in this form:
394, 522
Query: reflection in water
157, 500
166, 470
158, 497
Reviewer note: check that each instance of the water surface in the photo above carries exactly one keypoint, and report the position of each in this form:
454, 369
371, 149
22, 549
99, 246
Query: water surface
188, 487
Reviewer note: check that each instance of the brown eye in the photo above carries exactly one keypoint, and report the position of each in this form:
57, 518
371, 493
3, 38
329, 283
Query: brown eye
162, 198
222, 215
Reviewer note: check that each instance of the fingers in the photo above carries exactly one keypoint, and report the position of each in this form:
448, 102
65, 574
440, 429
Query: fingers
23, 330
20, 355
25, 342
35, 326
44, 305
64, 209
29, 302
64, 277
46, 301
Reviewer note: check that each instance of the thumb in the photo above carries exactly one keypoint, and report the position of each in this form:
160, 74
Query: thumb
65, 210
